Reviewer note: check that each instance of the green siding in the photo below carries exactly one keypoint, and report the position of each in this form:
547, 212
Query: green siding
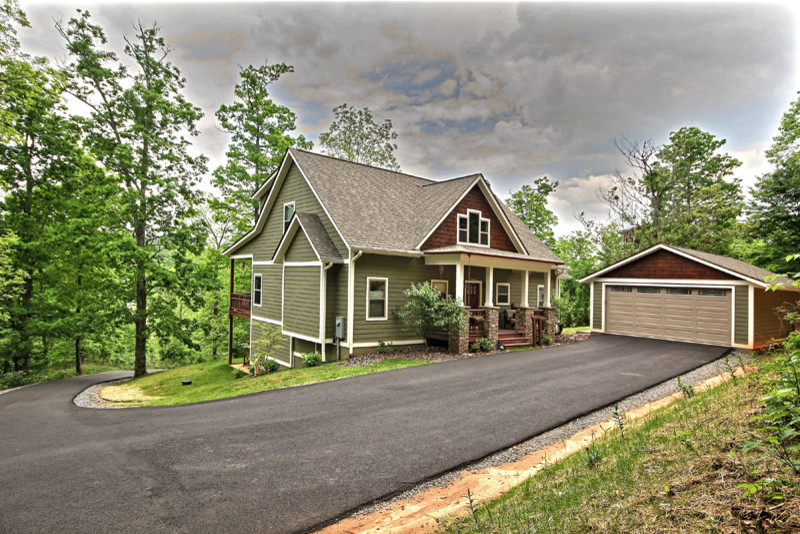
301, 301
296, 189
515, 279
300, 249
534, 281
741, 314
271, 291
335, 297
597, 307
401, 272
279, 351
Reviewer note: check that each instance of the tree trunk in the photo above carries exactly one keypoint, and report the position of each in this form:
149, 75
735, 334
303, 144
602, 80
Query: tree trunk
140, 320
78, 362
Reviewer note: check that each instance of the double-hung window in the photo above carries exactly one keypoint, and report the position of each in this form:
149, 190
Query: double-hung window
257, 290
288, 212
473, 228
503, 294
377, 299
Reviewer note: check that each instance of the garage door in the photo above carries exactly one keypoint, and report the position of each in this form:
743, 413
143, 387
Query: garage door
683, 314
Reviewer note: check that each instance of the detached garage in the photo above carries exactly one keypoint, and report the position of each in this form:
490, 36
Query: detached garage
680, 294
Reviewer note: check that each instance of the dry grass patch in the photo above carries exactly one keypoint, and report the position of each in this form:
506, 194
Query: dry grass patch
125, 393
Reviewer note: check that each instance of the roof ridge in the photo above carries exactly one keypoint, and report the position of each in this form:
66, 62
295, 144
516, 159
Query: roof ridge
448, 180
295, 149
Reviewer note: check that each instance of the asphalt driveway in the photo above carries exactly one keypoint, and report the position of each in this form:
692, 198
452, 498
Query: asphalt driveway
288, 460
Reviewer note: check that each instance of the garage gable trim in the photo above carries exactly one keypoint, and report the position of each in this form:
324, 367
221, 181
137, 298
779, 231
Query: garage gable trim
662, 246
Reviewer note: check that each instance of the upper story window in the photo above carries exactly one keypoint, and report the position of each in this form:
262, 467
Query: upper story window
288, 212
257, 290
473, 229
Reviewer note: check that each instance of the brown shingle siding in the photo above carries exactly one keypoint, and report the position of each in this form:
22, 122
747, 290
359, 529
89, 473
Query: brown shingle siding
447, 232
667, 265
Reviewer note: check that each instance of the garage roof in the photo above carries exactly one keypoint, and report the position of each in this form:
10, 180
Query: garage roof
739, 269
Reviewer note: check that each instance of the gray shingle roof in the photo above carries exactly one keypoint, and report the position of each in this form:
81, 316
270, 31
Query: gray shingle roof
736, 266
318, 236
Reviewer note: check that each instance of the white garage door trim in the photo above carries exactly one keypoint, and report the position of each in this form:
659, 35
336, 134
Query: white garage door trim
670, 284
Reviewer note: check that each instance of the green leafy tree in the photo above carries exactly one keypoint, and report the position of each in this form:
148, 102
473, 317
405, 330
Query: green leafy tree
774, 214
676, 188
260, 132
426, 310
530, 205
11, 282
582, 258
137, 128
355, 136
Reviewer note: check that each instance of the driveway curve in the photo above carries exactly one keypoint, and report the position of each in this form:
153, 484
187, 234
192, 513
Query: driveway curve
289, 460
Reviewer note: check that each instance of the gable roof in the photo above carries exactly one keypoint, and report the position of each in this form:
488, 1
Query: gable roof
315, 232
382, 210
737, 268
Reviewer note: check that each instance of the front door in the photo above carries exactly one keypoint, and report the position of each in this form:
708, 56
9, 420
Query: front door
472, 294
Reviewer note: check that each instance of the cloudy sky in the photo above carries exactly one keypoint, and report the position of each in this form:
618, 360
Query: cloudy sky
514, 91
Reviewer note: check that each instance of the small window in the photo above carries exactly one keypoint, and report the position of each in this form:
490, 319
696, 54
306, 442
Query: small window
540, 296
678, 291
473, 228
649, 290
377, 301
621, 289
503, 294
712, 292
257, 290
441, 285
288, 212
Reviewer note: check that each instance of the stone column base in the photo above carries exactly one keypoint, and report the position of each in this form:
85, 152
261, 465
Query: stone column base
524, 324
550, 322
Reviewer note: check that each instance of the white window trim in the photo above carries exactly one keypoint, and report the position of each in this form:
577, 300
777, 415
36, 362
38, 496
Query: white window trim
446, 285
260, 291
385, 299
481, 218
497, 294
540, 304
283, 215
480, 290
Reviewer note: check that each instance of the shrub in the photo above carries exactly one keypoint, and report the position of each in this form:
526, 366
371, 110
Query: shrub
385, 348
312, 360
547, 340
15, 379
269, 366
426, 310
481, 344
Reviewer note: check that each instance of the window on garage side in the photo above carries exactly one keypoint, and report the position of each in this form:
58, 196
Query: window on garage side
678, 291
377, 299
621, 289
649, 290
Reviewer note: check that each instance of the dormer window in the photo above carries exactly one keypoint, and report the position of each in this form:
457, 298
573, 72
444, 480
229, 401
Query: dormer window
288, 212
473, 228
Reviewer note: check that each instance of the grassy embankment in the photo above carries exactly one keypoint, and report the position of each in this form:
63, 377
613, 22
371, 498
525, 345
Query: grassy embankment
216, 380
688, 467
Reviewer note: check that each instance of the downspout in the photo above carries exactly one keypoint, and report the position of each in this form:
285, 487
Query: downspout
351, 281
323, 306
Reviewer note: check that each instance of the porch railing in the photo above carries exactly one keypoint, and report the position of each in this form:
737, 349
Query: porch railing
477, 321
240, 305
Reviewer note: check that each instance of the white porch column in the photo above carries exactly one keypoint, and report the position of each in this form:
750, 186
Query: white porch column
489, 302
547, 289
525, 276
460, 282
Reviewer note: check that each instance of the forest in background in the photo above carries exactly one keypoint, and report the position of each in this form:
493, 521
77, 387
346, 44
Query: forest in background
111, 253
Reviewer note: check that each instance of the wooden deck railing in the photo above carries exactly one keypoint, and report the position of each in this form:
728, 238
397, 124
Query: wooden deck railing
240, 305
477, 321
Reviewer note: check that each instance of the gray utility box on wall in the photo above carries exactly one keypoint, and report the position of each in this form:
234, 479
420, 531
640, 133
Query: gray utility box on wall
341, 327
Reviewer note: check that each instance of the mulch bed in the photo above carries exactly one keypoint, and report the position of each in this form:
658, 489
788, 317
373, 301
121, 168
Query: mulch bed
439, 354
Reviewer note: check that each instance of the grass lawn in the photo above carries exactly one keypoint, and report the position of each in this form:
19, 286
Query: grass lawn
215, 380
681, 469
46, 375
573, 329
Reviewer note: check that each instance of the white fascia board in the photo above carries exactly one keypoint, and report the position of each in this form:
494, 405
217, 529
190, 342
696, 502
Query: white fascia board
262, 217
265, 186
478, 260
287, 238
501, 215
392, 252
667, 282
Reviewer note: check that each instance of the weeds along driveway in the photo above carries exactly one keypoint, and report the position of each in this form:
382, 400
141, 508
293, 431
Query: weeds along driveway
288, 460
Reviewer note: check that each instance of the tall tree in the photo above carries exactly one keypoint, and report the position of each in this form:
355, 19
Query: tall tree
355, 136
11, 282
137, 128
582, 258
260, 132
673, 189
530, 205
775, 211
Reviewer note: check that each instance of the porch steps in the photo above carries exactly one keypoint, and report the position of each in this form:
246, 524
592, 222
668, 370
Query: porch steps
510, 338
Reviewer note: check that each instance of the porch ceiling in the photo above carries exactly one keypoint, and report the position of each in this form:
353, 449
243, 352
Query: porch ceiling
485, 257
